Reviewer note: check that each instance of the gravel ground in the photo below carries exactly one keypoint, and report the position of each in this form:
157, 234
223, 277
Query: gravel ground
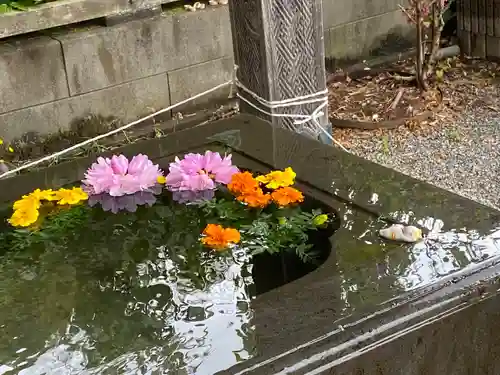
463, 157
458, 149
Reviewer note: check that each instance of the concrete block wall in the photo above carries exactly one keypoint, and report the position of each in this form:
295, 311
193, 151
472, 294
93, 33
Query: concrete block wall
135, 68
356, 29
125, 71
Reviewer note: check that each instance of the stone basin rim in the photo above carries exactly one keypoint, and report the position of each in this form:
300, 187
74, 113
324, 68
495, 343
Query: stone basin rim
331, 356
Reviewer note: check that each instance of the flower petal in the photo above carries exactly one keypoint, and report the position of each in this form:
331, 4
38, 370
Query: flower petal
119, 164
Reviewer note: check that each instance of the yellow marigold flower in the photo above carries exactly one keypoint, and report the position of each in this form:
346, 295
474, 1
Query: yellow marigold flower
320, 220
1, 141
161, 179
24, 217
48, 195
41, 195
70, 196
27, 202
277, 179
10, 149
35, 194
33, 199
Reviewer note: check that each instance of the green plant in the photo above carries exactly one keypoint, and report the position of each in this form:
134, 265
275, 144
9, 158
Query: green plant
385, 145
272, 230
274, 233
428, 18
19, 5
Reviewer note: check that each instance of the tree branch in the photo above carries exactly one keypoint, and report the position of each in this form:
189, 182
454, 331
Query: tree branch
420, 47
437, 27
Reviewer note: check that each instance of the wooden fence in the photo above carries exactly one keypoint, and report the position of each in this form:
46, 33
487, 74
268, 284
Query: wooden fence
479, 27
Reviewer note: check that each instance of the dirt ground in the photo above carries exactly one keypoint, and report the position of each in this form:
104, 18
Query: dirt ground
387, 95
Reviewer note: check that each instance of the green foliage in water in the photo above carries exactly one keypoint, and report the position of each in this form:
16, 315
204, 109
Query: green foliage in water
84, 228
56, 226
95, 232
83, 258
291, 232
272, 229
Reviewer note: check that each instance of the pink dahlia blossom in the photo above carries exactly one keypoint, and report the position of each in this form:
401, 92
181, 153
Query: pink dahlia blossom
117, 176
198, 172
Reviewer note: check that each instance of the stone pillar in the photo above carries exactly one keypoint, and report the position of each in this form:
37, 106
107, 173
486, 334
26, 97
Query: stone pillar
279, 51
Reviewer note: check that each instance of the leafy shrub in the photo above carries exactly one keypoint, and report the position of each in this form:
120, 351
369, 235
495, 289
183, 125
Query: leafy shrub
19, 5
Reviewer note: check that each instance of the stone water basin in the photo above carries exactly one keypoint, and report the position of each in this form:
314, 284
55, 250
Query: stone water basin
371, 307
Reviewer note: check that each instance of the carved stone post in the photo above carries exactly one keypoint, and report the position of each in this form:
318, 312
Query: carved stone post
279, 51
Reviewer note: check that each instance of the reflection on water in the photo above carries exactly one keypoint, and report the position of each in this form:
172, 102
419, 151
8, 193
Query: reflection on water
96, 309
210, 325
198, 331
373, 270
444, 253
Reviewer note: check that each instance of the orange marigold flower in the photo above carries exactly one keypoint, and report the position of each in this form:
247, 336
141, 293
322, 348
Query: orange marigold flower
218, 237
256, 199
287, 195
242, 183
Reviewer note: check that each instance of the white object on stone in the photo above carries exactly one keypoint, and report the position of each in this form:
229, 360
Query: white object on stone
399, 232
217, 2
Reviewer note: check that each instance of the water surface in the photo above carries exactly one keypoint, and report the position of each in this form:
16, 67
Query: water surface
125, 294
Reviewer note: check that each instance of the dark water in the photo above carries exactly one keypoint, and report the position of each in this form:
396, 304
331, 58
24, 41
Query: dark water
125, 294
131, 293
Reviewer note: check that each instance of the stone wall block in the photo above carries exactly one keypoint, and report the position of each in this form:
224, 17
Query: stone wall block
31, 72
123, 103
187, 82
107, 56
339, 12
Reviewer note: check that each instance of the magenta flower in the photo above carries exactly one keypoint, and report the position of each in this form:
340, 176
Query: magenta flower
117, 176
198, 172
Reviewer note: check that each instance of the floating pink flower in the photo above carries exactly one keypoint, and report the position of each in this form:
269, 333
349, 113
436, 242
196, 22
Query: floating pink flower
198, 172
117, 176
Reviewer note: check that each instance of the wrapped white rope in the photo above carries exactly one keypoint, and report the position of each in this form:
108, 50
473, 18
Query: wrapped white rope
300, 121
